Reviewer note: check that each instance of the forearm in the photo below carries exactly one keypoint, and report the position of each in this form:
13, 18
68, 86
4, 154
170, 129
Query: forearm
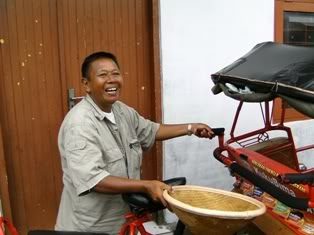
171, 131
114, 184
168, 131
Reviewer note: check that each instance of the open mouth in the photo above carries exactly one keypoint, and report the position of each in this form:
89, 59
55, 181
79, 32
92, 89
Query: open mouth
112, 91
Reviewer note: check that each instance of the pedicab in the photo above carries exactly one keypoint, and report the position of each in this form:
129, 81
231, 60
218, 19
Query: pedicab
265, 162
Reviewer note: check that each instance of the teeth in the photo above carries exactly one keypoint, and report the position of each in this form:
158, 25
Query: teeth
111, 89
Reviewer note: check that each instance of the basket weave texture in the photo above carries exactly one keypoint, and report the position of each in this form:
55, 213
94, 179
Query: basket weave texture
212, 211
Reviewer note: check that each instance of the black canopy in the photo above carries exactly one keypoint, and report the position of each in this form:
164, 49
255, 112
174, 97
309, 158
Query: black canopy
271, 70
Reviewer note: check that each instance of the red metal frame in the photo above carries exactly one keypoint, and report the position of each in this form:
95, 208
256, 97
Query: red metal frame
135, 223
260, 163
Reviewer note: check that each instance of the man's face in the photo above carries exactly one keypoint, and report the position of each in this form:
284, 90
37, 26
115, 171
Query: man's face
104, 83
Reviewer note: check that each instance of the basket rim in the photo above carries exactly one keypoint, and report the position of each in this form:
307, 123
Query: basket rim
217, 213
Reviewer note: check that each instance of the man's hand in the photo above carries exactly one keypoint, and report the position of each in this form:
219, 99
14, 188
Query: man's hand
155, 188
202, 130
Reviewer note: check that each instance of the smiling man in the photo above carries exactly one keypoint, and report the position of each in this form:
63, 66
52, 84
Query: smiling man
101, 142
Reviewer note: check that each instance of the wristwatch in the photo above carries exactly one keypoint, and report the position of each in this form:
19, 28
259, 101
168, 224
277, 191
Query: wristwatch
190, 131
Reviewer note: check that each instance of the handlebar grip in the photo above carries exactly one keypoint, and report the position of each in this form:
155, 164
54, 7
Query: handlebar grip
297, 178
175, 181
218, 131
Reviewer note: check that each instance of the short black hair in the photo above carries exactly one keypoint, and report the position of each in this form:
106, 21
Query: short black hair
96, 56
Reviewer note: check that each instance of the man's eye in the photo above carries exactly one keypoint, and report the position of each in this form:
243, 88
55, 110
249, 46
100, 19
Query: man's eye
103, 75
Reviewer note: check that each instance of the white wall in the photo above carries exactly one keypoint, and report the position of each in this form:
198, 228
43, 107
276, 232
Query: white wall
199, 38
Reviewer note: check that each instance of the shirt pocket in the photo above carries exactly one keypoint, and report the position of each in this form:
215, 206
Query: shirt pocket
115, 162
76, 150
136, 153
75, 145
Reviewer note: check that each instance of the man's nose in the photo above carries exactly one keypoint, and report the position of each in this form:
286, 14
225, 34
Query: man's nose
112, 77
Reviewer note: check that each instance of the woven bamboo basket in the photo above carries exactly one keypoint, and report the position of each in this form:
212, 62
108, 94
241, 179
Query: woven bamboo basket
212, 211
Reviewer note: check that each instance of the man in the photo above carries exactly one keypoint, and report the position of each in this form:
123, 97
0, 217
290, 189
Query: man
101, 141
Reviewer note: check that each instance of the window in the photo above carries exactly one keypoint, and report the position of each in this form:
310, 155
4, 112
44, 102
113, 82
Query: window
298, 28
294, 24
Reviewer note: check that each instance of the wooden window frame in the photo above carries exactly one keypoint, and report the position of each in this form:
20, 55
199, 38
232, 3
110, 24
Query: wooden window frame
280, 7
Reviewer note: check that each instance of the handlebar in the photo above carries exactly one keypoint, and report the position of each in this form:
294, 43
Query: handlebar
297, 178
218, 131
265, 185
175, 181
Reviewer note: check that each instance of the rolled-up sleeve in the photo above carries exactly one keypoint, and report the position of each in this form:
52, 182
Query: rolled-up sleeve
146, 131
84, 158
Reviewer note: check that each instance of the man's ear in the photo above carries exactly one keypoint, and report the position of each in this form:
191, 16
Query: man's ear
86, 84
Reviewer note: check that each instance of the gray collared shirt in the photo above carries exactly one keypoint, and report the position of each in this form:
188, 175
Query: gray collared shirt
92, 148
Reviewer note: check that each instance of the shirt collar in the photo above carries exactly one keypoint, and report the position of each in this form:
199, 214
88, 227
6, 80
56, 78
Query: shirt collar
97, 111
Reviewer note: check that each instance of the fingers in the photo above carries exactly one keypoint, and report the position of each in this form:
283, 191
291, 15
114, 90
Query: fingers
156, 189
163, 201
206, 134
203, 131
168, 188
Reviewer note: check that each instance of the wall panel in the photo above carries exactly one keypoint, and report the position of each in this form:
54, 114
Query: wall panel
30, 110
42, 45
